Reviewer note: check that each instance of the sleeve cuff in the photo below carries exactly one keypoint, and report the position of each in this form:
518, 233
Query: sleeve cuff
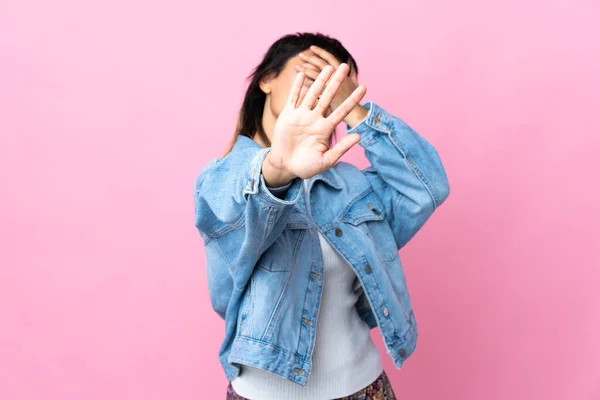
279, 189
255, 184
376, 122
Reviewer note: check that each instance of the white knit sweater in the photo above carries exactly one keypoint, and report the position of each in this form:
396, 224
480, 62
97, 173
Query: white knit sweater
345, 358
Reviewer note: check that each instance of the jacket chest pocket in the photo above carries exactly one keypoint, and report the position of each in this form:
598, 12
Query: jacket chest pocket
367, 214
280, 256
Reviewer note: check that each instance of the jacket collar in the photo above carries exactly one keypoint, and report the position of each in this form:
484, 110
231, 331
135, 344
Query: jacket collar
331, 177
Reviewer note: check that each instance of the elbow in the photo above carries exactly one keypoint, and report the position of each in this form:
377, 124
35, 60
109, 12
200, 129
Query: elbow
443, 191
221, 311
438, 183
440, 186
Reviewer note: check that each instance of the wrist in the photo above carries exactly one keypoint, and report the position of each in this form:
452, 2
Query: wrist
356, 116
274, 172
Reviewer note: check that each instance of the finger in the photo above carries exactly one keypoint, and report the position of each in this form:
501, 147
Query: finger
344, 109
302, 94
325, 55
332, 87
308, 82
310, 73
331, 156
296, 88
314, 60
317, 87
307, 65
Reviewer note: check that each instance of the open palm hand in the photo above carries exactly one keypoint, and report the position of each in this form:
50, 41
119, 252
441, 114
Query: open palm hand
301, 135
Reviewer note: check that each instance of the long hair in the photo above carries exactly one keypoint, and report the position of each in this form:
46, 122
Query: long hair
251, 112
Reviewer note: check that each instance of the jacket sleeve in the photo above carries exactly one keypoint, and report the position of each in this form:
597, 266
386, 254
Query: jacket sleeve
238, 217
405, 170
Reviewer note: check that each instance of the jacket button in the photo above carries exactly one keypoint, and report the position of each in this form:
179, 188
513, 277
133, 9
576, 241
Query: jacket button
368, 268
299, 371
373, 209
386, 312
338, 232
403, 352
315, 275
377, 119
307, 322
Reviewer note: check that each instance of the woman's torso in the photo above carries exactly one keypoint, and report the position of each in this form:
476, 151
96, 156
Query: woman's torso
345, 359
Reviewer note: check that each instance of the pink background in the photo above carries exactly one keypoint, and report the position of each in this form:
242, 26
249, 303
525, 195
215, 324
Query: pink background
109, 109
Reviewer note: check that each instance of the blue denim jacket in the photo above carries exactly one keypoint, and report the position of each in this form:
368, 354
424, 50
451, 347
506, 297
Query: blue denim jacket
263, 258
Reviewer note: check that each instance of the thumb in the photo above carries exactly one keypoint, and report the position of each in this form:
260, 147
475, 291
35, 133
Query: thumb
331, 156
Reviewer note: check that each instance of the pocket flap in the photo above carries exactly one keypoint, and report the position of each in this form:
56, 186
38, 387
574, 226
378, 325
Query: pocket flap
365, 207
297, 220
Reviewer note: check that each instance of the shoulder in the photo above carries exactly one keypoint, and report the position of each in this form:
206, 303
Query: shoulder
206, 172
222, 170
218, 192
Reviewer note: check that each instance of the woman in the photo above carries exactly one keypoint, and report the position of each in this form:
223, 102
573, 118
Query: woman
296, 240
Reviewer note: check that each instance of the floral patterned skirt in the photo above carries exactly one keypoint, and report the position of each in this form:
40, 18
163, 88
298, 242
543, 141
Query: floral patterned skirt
381, 389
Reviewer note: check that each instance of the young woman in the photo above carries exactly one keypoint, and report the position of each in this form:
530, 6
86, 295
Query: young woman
302, 250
